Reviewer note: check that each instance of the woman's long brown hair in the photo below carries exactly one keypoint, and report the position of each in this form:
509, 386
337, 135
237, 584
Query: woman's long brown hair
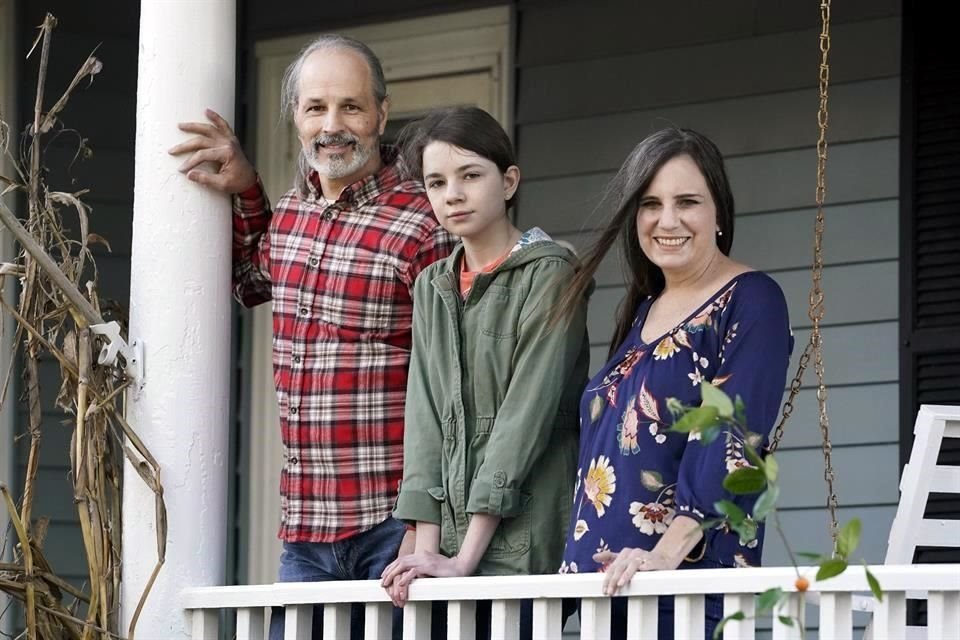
622, 195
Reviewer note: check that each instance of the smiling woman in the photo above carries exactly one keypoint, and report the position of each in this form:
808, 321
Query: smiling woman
692, 315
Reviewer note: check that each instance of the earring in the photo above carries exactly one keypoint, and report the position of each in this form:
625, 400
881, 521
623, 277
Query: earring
719, 232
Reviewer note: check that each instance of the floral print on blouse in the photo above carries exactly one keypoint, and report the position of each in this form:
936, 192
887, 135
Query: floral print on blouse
635, 476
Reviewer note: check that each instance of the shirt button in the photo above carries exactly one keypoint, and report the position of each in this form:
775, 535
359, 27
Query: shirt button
296, 359
314, 262
327, 215
294, 460
293, 411
499, 479
304, 311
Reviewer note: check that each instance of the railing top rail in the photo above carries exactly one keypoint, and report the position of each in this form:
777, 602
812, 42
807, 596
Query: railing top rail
941, 577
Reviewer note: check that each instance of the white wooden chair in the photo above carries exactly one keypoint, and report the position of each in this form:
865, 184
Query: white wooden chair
921, 477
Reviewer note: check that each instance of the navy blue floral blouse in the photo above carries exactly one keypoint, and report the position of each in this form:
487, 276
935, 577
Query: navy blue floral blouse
634, 475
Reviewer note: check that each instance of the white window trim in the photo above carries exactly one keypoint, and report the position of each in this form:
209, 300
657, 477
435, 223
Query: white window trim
7, 413
469, 41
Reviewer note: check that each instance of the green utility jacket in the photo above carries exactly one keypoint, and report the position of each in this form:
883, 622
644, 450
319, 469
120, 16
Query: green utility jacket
491, 409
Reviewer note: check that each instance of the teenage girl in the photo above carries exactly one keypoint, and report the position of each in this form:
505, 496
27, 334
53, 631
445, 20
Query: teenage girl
491, 438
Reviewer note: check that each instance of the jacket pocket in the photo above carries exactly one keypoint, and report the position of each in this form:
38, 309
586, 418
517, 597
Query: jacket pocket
512, 537
448, 531
496, 319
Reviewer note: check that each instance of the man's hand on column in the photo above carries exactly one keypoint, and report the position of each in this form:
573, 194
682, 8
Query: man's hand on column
215, 143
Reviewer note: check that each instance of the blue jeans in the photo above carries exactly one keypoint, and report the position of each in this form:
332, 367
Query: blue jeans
362, 557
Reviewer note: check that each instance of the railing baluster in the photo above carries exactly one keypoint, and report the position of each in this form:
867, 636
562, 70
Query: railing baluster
595, 618
206, 624
505, 620
298, 622
688, 614
739, 629
461, 620
250, 623
890, 617
792, 608
378, 621
642, 616
336, 621
943, 613
547, 618
416, 620
836, 616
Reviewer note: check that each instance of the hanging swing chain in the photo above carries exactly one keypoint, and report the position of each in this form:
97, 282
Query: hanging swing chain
814, 347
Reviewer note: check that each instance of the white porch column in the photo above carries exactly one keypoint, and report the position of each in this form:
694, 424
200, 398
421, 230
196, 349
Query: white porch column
180, 310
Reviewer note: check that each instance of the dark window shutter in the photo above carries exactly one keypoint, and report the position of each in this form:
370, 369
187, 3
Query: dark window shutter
929, 239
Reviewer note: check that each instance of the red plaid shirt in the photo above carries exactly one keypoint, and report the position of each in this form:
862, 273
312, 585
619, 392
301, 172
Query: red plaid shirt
340, 275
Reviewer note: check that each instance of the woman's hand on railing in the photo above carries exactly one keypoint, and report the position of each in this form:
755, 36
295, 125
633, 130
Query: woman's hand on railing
621, 567
401, 572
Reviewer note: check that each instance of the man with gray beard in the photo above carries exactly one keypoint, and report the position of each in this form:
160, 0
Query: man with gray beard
338, 257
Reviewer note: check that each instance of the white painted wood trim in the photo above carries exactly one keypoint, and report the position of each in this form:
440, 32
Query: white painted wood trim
7, 412
471, 41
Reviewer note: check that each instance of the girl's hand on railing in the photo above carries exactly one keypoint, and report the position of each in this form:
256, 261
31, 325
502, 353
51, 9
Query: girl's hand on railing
621, 567
401, 572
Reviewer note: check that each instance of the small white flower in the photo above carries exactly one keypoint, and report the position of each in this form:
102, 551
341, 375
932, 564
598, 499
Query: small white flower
696, 377
660, 438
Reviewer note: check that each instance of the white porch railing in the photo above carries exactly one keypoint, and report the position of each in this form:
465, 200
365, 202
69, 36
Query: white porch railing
940, 583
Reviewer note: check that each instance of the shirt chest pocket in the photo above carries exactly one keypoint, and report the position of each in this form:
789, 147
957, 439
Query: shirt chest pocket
358, 289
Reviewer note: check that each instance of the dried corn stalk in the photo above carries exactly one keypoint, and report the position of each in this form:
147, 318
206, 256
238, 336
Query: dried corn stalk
58, 304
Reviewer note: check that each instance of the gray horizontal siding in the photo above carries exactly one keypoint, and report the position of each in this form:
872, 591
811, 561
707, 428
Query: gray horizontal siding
768, 240
762, 182
728, 69
740, 126
589, 89
624, 27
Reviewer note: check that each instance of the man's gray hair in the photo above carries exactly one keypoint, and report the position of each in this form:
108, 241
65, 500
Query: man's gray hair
290, 89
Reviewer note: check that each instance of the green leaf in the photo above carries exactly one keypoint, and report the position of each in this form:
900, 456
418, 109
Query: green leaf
739, 615
675, 407
747, 530
709, 434
830, 568
706, 525
771, 468
713, 397
874, 584
744, 481
769, 599
696, 420
651, 480
809, 555
755, 458
787, 620
767, 502
734, 513
740, 410
849, 538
